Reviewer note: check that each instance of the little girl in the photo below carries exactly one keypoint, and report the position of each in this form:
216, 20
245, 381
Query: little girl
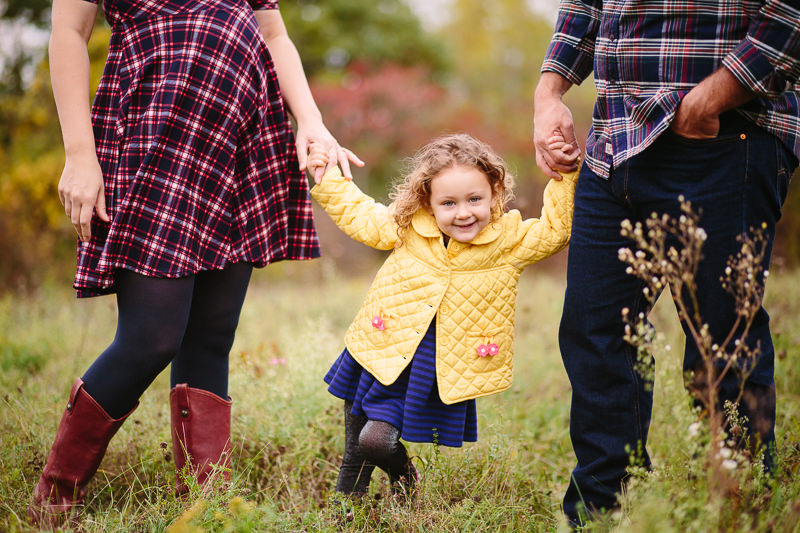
436, 329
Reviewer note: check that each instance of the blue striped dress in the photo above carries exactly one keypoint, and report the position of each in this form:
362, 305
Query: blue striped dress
411, 403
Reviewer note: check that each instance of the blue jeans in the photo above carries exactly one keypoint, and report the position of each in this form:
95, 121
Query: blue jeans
738, 181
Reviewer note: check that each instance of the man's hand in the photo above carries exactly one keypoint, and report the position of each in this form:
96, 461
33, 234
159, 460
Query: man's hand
698, 114
552, 119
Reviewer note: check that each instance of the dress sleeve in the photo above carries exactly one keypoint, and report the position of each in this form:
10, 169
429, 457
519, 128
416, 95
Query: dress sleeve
263, 4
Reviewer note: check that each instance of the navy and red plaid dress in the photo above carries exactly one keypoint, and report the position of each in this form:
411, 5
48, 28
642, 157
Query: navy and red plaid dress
195, 145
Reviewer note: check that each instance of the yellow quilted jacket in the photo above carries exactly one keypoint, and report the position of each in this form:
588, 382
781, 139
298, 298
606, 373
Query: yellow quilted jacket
470, 288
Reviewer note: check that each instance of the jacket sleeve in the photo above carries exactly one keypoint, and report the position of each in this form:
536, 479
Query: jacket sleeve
535, 239
571, 50
767, 60
357, 214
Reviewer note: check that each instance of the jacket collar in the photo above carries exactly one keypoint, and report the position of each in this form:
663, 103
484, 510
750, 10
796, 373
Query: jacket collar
425, 225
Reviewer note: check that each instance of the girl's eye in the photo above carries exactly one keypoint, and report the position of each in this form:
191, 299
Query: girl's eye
448, 203
475, 199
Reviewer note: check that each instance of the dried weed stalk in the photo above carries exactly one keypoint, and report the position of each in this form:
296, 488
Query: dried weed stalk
667, 252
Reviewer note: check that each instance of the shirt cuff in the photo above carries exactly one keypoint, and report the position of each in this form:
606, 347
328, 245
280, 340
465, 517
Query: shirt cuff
751, 67
568, 61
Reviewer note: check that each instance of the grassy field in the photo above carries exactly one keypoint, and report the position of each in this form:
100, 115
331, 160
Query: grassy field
287, 434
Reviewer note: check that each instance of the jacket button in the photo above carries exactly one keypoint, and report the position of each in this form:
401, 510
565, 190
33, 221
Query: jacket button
445, 341
445, 371
444, 309
184, 413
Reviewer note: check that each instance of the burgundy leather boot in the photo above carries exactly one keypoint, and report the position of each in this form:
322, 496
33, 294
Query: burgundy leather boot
81, 441
201, 435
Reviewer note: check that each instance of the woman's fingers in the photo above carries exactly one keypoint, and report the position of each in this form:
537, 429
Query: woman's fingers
345, 158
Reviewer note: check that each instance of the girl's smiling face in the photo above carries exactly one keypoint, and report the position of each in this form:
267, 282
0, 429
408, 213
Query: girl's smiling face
461, 202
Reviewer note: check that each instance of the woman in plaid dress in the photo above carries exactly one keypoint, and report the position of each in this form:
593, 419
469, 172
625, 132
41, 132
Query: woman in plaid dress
183, 177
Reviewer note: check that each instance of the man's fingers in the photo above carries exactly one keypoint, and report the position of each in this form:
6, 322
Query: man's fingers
545, 167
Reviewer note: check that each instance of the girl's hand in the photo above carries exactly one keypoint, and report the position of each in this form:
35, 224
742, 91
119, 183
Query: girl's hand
81, 191
556, 142
317, 159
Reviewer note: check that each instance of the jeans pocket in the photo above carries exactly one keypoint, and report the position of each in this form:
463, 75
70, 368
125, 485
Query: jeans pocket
700, 143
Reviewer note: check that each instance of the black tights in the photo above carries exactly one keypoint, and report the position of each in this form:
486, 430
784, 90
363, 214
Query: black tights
371, 443
188, 321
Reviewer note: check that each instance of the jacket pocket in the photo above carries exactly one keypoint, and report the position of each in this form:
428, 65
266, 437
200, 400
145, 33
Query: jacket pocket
379, 326
489, 349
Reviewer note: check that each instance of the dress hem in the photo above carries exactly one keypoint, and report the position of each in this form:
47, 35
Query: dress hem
90, 291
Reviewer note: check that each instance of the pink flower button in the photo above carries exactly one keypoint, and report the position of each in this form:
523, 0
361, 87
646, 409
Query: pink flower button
377, 322
493, 349
482, 350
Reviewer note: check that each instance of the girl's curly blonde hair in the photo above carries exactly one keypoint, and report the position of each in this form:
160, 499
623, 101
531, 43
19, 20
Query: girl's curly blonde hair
459, 149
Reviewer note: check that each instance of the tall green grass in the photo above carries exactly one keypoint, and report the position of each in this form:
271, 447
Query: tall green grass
288, 439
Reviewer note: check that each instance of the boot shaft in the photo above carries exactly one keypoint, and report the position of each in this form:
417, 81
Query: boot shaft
81, 441
201, 431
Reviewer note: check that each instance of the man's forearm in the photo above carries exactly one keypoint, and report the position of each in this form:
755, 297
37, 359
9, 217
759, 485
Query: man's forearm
551, 85
720, 92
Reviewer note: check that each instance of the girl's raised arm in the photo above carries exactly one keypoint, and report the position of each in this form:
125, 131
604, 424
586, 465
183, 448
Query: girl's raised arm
81, 186
356, 213
538, 238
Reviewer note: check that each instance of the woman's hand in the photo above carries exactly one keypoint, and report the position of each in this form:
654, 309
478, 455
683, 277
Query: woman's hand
81, 186
319, 137
318, 161
81, 191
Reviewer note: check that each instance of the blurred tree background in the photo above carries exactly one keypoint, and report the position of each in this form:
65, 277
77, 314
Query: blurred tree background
385, 80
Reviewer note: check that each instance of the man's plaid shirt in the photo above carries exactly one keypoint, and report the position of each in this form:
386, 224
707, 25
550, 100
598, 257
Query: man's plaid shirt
647, 54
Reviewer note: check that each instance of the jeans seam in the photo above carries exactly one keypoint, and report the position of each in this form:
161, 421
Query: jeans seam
632, 369
743, 202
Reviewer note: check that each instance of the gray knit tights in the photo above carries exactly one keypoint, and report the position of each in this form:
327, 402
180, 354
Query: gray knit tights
367, 444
